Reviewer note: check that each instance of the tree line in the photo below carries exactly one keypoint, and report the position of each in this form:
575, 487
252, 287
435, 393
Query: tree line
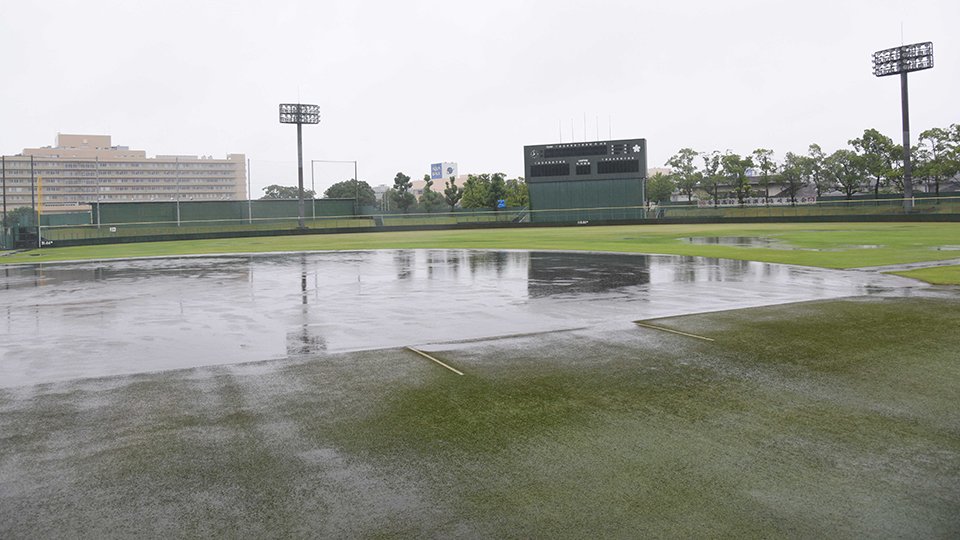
873, 163
487, 190
478, 191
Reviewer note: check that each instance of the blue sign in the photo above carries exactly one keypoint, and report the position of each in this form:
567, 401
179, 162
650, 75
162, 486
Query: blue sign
502, 203
436, 171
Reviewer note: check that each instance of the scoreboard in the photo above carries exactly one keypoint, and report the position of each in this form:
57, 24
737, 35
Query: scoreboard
585, 161
586, 181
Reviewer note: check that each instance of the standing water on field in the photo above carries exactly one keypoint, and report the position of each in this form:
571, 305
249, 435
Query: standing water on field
67, 321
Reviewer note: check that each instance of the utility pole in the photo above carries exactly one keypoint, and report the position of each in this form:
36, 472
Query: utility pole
3, 167
249, 195
33, 200
97, 178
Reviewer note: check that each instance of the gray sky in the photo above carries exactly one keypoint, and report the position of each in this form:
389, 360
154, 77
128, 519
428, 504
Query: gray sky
403, 84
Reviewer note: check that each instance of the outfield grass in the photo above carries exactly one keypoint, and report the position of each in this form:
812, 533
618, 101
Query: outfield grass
939, 275
829, 245
826, 419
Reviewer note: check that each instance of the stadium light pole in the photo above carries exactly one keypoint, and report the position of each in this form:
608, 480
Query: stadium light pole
356, 179
299, 114
900, 61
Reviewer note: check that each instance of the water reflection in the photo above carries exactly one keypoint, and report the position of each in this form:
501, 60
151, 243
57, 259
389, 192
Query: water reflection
404, 260
766, 242
496, 261
72, 320
574, 274
740, 241
84, 275
305, 340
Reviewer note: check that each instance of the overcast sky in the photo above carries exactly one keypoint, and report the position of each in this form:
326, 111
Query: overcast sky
404, 84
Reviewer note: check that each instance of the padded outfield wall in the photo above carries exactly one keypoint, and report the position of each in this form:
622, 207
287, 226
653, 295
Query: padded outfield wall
198, 211
595, 200
589, 181
155, 221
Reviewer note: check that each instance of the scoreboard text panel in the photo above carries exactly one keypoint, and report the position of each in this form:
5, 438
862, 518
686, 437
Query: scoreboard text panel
585, 161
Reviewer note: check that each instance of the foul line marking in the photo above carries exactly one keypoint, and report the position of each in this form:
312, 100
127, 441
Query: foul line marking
654, 327
428, 357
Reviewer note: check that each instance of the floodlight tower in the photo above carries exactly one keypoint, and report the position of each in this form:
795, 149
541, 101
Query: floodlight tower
299, 114
900, 61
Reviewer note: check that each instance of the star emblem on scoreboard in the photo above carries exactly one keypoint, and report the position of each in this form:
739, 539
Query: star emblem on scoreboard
636, 148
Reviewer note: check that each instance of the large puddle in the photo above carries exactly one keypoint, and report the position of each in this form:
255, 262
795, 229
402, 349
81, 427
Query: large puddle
67, 321
765, 242
739, 241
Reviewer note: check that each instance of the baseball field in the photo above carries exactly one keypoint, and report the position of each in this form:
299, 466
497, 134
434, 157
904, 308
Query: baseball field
833, 415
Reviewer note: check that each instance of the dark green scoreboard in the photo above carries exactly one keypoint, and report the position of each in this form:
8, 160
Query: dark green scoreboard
602, 180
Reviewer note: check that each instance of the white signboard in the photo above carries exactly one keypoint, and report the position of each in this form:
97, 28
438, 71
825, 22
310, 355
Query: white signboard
443, 171
757, 201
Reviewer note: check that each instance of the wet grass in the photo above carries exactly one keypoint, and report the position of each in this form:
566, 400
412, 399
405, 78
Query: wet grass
829, 245
940, 275
821, 419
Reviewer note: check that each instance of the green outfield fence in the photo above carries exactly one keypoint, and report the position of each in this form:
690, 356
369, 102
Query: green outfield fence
119, 225
822, 208
128, 223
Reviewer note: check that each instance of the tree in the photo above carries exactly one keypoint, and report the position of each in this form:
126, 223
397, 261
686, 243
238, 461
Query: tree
735, 169
795, 173
875, 151
711, 174
22, 216
401, 196
386, 201
937, 156
475, 191
685, 173
894, 175
430, 200
822, 181
275, 191
952, 147
518, 195
764, 162
452, 193
349, 189
847, 170
497, 191
659, 187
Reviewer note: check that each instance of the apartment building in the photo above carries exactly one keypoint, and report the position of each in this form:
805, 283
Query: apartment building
84, 169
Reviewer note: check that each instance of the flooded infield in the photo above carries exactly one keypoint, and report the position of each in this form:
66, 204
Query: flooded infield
69, 321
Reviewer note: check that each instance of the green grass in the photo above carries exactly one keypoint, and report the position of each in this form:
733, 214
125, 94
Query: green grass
939, 275
825, 419
830, 245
